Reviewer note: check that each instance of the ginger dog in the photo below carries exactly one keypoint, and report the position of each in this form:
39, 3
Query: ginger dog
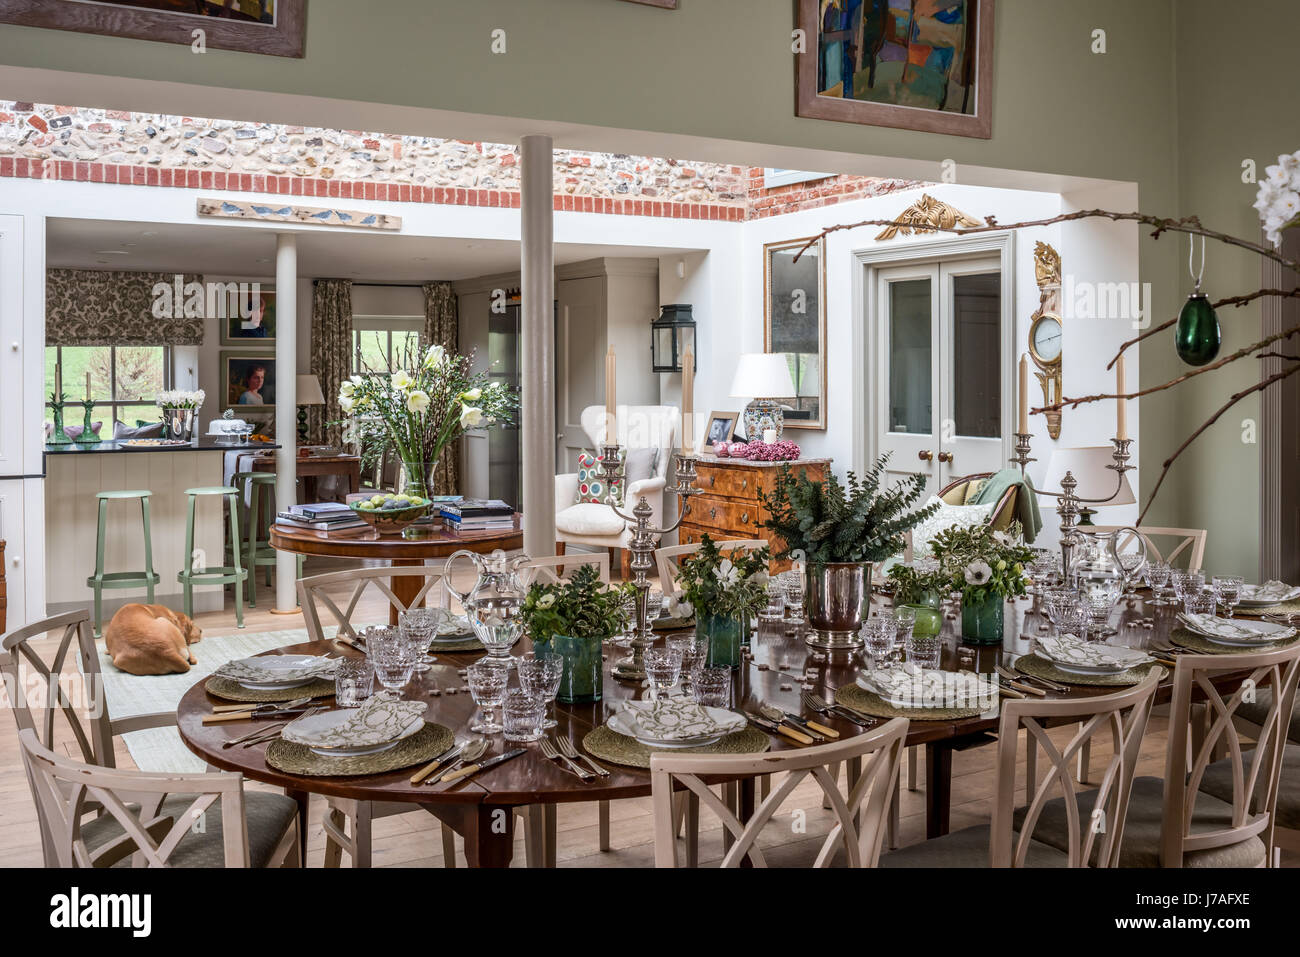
151, 640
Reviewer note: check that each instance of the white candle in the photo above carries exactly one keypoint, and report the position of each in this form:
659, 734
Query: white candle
1121, 405
58, 381
769, 436
87, 386
688, 402
611, 396
1024, 394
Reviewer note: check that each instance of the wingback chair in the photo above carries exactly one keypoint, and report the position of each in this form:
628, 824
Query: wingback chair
1004, 513
644, 428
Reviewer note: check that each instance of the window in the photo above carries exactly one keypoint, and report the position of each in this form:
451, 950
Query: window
125, 379
381, 344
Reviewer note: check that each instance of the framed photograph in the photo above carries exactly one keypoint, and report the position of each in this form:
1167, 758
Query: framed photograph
272, 27
248, 381
794, 324
250, 317
722, 426
912, 64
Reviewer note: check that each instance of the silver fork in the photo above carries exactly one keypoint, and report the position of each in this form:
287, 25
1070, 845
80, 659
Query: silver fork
569, 751
548, 749
822, 706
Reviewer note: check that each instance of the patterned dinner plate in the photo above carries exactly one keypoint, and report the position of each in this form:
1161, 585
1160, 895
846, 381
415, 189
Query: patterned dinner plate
1070, 654
1269, 593
376, 726
277, 672
670, 723
1236, 632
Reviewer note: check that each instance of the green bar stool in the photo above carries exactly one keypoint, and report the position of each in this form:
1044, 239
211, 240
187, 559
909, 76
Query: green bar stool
257, 499
100, 580
232, 574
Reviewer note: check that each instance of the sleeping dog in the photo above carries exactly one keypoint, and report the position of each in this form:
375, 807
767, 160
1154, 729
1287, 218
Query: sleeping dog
151, 640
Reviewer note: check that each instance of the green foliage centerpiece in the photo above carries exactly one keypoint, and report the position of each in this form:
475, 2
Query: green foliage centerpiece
572, 619
726, 587
840, 531
987, 567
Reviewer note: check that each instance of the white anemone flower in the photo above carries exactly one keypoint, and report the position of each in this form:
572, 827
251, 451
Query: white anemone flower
978, 573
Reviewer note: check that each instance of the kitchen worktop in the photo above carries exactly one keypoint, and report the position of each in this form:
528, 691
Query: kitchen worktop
203, 444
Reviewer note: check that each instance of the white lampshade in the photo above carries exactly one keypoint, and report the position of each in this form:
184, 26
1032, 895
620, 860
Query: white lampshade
309, 391
1088, 466
762, 375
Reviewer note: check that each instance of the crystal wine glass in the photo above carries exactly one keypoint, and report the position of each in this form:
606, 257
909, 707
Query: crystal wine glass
487, 686
878, 633
419, 626
391, 656
663, 667
540, 673
1156, 575
1228, 590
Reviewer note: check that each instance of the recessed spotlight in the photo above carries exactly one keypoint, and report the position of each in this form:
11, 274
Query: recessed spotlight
111, 252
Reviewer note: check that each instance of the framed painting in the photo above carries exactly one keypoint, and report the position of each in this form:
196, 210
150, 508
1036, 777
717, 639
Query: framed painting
248, 381
794, 324
722, 426
250, 319
272, 27
912, 64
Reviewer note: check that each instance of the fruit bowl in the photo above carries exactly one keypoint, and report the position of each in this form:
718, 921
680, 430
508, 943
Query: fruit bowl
390, 514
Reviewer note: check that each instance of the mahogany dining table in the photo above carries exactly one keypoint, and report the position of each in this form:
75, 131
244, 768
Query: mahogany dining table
481, 808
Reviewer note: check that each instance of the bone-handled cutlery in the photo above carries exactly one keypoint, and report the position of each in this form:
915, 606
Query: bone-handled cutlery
1021, 676
771, 727
472, 752
824, 707
262, 735
432, 766
549, 750
1014, 681
777, 716
465, 772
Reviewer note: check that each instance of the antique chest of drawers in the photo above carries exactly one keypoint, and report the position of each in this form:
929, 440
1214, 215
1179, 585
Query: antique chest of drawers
730, 506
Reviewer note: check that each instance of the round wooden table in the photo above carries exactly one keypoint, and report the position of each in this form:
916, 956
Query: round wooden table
366, 543
480, 809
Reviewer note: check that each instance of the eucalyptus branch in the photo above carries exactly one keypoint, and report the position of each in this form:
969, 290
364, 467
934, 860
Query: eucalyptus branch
1236, 397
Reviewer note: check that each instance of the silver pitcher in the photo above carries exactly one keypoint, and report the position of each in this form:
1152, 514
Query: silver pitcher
838, 596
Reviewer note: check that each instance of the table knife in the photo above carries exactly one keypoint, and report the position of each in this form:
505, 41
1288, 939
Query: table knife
482, 765
771, 727
433, 765
811, 725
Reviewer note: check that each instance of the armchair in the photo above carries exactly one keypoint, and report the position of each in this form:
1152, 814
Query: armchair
650, 428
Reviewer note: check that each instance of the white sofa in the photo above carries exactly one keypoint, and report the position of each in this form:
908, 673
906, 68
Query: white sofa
595, 525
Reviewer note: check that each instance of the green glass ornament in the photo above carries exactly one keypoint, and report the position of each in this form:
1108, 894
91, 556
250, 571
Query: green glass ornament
1197, 336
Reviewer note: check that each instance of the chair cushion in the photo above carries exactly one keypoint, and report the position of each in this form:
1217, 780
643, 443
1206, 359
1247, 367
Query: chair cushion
1141, 844
1256, 711
588, 518
268, 815
968, 847
1218, 781
948, 516
591, 485
640, 464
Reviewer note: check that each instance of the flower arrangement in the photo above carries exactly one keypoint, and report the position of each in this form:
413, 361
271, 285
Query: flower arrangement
582, 607
981, 563
429, 402
733, 585
1278, 198
832, 523
180, 399
914, 584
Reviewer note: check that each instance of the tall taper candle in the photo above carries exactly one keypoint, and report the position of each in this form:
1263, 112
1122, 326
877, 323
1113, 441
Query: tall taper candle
87, 386
611, 395
688, 402
1024, 394
58, 381
1121, 405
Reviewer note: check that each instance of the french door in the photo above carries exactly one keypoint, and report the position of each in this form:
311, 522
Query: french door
938, 357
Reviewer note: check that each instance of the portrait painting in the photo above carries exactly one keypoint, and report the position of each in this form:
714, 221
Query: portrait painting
250, 318
249, 381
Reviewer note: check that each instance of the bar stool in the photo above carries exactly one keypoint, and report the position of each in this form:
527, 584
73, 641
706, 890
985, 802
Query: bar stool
99, 581
232, 574
257, 496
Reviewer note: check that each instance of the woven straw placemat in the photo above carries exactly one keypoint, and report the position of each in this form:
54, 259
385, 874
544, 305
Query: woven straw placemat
421, 747
859, 699
232, 690
1194, 642
616, 748
1281, 608
1042, 668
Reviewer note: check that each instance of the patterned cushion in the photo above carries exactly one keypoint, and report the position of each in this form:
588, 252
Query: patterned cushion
591, 486
948, 516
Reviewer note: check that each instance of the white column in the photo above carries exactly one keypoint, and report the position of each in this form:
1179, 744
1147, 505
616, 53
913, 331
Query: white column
537, 255
286, 409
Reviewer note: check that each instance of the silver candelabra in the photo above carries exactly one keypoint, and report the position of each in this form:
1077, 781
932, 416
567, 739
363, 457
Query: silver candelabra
645, 539
1068, 501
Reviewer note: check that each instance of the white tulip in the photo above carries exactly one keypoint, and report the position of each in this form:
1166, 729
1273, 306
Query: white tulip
434, 356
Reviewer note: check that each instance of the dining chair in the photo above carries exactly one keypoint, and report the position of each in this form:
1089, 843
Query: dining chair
1090, 825
44, 688
552, 568
348, 823
859, 815
185, 833
1203, 812
1190, 540
668, 558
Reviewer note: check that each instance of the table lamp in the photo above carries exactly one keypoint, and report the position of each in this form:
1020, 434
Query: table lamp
1091, 469
762, 377
309, 393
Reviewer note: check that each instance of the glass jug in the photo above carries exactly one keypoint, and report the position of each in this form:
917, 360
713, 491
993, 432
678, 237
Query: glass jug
494, 606
1102, 573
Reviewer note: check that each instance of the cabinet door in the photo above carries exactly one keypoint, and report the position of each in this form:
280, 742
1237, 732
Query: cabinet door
15, 352
581, 338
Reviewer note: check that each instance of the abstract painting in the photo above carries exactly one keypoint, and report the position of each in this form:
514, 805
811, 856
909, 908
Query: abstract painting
914, 64
274, 27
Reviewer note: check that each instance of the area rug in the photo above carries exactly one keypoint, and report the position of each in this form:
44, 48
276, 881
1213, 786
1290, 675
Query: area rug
161, 749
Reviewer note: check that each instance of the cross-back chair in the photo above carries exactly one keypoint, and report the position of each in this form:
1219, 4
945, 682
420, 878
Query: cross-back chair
554, 567
1189, 540
669, 557
860, 814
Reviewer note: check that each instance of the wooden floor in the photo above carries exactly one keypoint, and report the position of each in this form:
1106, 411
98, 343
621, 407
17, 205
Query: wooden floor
412, 840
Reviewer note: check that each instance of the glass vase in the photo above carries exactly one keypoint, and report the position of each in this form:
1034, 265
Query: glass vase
981, 622
583, 679
726, 635
416, 478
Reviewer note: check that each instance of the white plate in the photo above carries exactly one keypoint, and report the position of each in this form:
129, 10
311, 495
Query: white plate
326, 720
624, 725
1267, 633
273, 663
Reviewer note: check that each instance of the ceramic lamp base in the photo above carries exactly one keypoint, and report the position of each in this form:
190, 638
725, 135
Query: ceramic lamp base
760, 416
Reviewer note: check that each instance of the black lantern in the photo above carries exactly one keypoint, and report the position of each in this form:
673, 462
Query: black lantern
671, 336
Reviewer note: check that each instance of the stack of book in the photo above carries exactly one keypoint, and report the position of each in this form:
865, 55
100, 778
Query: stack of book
478, 514
321, 516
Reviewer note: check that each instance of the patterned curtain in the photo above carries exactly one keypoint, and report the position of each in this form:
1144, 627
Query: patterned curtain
331, 355
91, 307
442, 328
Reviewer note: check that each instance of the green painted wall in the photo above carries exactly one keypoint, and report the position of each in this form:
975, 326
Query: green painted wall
1183, 93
